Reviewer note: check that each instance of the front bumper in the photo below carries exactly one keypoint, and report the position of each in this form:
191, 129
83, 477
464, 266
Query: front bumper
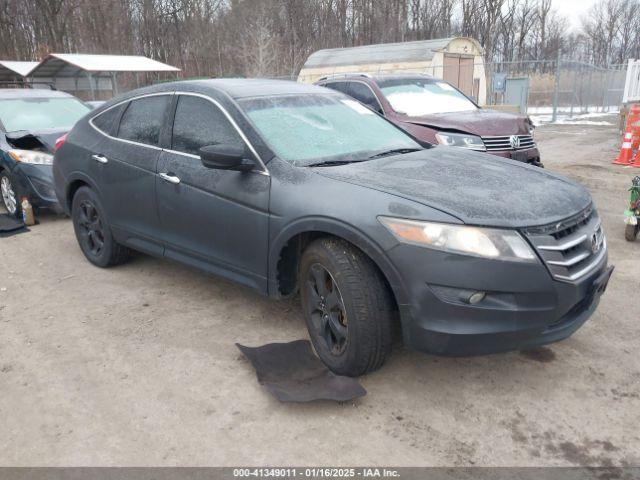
530, 155
524, 306
36, 183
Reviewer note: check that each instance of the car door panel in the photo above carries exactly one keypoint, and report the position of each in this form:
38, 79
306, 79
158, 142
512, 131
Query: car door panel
215, 216
214, 219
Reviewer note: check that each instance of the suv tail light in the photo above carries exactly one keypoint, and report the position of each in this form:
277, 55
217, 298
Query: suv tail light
59, 142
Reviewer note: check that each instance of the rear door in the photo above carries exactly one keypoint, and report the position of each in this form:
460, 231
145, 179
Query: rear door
213, 219
128, 164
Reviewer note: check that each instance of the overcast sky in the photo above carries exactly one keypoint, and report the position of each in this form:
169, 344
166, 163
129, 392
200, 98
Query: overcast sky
573, 9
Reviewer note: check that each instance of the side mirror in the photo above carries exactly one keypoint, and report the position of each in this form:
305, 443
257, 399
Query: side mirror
225, 157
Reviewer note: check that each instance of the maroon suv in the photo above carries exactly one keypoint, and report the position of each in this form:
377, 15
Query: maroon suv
433, 111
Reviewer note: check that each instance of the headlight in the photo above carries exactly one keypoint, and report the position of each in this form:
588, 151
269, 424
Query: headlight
30, 156
460, 140
480, 242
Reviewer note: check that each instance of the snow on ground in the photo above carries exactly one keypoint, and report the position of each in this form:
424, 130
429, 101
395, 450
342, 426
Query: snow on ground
542, 115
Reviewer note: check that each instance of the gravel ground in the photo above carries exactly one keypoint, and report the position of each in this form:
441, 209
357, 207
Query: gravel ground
136, 365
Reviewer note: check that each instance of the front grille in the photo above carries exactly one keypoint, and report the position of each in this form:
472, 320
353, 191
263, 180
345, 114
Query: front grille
507, 142
572, 248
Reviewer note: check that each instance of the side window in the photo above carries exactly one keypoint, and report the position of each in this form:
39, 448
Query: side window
364, 94
198, 123
339, 86
106, 121
143, 119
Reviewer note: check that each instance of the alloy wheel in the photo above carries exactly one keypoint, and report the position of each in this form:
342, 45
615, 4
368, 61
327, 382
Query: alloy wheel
326, 309
8, 195
90, 228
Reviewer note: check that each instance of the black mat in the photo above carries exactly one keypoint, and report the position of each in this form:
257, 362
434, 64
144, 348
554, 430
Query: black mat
292, 373
10, 226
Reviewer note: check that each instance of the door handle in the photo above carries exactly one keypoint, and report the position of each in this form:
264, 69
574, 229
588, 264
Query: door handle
169, 178
100, 158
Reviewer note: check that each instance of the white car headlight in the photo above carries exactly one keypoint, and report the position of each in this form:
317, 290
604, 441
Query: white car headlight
480, 242
471, 142
31, 156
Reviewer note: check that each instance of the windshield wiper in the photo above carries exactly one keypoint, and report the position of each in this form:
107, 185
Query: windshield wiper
333, 163
395, 151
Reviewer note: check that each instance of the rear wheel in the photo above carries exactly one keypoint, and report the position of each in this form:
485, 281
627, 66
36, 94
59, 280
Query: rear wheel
347, 306
9, 196
94, 232
631, 232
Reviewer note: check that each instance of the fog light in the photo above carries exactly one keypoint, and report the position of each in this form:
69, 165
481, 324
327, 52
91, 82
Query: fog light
476, 297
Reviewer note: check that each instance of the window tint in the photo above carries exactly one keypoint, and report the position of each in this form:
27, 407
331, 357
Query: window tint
339, 86
143, 119
197, 123
107, 121
363, 94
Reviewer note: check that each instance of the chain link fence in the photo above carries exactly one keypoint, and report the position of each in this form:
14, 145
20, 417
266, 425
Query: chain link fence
558, 87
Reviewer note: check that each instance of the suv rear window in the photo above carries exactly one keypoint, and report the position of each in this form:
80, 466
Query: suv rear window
143, 120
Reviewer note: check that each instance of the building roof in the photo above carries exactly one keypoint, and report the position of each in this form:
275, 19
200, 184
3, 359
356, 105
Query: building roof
73, 64
418, 51
11, 69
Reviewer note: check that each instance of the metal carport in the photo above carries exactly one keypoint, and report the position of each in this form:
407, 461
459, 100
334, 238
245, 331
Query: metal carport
11, 71
75, 71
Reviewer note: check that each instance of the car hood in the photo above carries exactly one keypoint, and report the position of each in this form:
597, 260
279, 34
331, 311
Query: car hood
479, 122
35, 139
477, 188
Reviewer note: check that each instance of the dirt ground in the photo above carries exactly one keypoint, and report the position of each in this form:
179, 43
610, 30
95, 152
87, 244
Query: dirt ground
136, 365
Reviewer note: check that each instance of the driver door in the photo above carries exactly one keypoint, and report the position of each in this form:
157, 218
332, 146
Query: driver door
213, 219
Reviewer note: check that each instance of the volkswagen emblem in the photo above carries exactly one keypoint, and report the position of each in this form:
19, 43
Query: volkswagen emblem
596, 241
514, 140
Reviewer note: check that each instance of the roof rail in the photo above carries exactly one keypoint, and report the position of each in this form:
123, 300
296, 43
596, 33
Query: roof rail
27, 84
344, 75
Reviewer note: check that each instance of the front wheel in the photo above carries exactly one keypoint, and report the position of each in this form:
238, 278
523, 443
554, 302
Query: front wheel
631, 232
347, 306
9, 196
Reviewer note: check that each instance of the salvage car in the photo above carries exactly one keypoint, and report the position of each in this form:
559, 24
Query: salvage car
31, 120
289, 188
436, 112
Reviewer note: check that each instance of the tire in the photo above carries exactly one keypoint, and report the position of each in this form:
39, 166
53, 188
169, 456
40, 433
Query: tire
10, 199
93, 231
631, 232
350, 318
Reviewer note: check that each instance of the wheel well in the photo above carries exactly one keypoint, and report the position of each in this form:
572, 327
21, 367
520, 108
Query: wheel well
73, 188
289, 260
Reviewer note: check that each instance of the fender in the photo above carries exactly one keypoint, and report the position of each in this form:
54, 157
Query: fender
339, 229
74, 177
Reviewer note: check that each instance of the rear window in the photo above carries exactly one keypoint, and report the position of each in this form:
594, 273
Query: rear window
143, 120
41, 113
106, 121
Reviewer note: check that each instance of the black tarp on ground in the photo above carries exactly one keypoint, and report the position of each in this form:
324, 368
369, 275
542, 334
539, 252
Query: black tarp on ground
292, 373
10, 226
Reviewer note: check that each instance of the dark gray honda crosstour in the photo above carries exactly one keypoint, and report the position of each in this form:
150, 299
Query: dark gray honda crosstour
292, 188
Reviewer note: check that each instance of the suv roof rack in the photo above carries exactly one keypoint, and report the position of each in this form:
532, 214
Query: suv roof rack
27, 84
344, 75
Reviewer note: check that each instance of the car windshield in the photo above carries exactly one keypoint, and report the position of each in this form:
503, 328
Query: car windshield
315, 128
41, 113
417, 97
